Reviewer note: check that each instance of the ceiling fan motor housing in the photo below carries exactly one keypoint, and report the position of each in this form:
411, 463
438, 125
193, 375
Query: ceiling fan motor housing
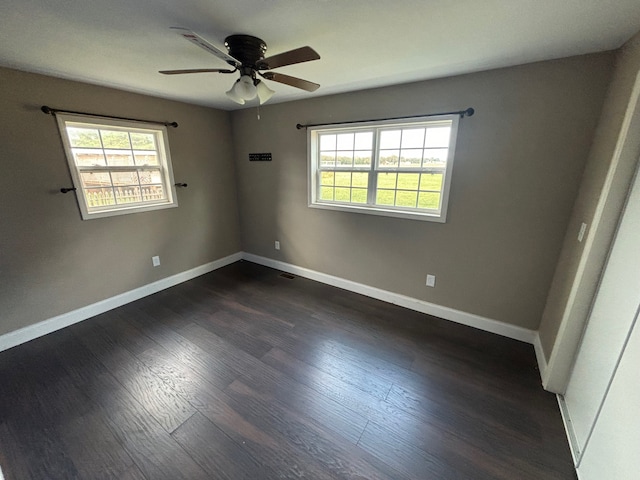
248, 50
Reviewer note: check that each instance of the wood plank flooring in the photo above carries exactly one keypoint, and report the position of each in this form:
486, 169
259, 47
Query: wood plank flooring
245, 374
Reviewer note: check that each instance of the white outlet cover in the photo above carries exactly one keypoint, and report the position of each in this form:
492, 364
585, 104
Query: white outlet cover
277, 244
156, 261
431, 280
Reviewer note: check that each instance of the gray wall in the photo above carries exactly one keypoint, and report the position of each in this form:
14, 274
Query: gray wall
561, 308
52, 262
518, 167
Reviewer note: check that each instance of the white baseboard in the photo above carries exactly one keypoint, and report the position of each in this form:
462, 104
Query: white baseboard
39, 329
31, 332
542, 361
469, 319
568, 429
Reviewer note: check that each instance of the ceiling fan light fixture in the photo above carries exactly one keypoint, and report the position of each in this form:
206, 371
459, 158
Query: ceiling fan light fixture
264, 92
245, 88
233, 94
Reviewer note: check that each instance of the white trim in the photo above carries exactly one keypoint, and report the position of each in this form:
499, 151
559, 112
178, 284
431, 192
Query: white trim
375, 127
39, 329
161, 137
464, 318
568, 428
542, 361
577, 308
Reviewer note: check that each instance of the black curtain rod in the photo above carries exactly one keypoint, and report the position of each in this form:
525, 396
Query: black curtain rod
53, 111
463, 113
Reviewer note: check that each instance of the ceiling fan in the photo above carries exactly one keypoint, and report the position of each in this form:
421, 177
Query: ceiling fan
246, 55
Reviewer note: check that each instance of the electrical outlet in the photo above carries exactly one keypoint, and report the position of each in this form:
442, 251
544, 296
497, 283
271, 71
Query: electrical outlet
583, 228
431, 280
156, 261
277, 244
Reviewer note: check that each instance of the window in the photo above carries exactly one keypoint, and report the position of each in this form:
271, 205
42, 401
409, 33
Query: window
118, 167
400, 168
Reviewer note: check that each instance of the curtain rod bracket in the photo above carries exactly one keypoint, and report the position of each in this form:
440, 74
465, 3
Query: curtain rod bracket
52, 111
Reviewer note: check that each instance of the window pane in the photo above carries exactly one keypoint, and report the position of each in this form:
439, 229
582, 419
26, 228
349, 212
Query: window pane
327, 142
387, 180
85, 157
99, 197
408, 181
431, 181
435, 156
413, 138
360, 179
83, 137
362, 158
128, 194
327, 178
364, 141
115, 139
359, 195
326, 193
389, 158
438, 137
150, 176
146, 158
345, 141
95, 179
429, 200
343, 194
118, 157
143, 141
390, 139
385, 197
328, 159
151, 193
411, 158
406, 199
343, 179
124, 178
345, 158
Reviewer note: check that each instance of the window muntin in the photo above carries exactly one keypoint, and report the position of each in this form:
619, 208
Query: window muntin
117, 166
401, 168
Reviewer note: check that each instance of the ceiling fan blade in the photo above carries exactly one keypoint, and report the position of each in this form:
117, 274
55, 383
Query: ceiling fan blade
196, 70
299, 55
292, 81
202, 43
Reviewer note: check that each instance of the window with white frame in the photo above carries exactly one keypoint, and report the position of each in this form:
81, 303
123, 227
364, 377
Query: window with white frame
395, 168
117, 166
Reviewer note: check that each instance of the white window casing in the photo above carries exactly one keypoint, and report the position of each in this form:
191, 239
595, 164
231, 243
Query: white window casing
399, 168
117, 166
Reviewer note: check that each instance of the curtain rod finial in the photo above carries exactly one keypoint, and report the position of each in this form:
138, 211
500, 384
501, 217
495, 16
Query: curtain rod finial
46, 110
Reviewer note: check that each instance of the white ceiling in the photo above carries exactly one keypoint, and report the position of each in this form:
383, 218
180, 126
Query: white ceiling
363, 43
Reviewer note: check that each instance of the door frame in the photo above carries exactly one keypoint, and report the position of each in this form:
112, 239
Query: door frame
596, 249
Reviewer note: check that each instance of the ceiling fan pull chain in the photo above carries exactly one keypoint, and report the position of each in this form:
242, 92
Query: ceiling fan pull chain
258, 111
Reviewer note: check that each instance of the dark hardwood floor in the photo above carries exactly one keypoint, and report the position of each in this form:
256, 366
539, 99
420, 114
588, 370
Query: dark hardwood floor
245, 374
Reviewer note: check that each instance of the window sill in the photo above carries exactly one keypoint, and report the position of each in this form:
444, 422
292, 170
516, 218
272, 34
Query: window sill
384, 212
127, 210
